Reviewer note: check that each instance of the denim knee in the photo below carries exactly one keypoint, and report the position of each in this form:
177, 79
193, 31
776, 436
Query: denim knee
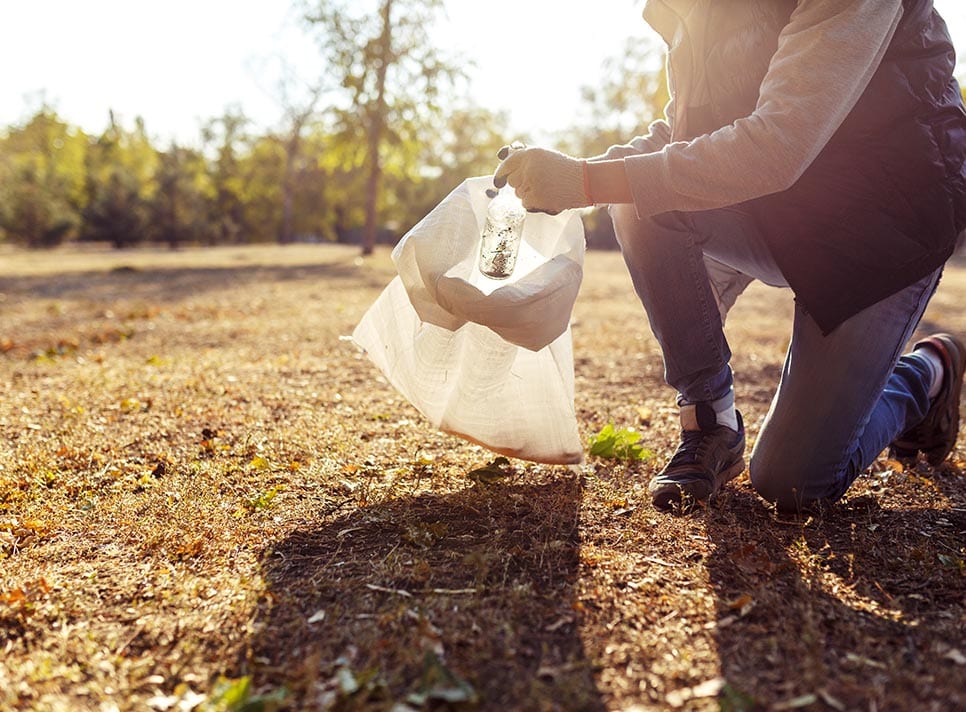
634, 234
792, 484
775, 483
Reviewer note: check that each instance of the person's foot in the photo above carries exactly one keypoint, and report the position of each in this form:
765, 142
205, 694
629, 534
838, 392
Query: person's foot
935, 436
707, 457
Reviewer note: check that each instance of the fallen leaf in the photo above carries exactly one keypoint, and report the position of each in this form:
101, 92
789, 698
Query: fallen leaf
752, 560
862, 660
162, 702
491, 472
796, 702
740, 602
893, 465
13, 596
709, 688
956, 656
347, 681
743, 604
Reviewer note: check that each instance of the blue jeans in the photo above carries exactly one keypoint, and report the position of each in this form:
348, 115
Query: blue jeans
842, 398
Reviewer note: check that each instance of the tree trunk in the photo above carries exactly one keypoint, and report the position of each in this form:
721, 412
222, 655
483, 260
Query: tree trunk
377, 122
286, 234
293, 146
173, 227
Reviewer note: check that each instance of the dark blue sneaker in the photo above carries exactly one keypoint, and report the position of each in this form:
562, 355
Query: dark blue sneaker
707, 457
935, 436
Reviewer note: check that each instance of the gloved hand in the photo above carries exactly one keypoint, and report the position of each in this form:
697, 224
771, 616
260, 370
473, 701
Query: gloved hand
546, 181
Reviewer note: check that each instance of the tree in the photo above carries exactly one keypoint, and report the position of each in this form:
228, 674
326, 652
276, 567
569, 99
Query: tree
224, 137
326, 196
633, 92
121, 169
41, 180
297, 117
463, 145
180, 208
262, 170
388, 73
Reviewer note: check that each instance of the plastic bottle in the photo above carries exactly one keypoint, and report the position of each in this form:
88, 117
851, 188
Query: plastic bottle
502, 232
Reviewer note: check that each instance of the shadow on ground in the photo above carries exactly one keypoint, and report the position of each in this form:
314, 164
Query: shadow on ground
170, 284
862, 609
355, 605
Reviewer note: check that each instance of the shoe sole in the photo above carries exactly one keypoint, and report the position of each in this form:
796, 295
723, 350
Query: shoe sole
676, 498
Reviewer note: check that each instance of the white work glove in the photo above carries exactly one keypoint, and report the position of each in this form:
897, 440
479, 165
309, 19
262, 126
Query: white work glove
545, 181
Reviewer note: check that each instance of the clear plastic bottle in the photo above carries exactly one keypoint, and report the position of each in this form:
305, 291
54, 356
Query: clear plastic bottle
502, 232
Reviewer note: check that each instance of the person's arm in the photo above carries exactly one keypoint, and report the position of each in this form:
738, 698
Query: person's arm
548, 181
608, 183
826, 56
658, 136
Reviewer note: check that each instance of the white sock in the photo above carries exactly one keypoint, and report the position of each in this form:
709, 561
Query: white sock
692, 414
724, 410
936, 368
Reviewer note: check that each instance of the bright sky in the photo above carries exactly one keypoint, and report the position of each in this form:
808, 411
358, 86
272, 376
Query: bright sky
181, 62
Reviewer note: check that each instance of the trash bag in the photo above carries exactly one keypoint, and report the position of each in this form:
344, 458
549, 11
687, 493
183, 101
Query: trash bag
489, 361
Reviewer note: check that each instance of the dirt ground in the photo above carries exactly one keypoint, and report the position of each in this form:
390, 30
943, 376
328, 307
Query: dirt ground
209, 499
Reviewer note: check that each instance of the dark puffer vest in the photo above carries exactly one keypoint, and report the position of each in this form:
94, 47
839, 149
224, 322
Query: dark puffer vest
881, 206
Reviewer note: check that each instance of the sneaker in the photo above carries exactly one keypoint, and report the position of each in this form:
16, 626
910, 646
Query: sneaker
935, 436
706, 459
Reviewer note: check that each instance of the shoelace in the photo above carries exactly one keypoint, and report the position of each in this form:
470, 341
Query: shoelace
694, 446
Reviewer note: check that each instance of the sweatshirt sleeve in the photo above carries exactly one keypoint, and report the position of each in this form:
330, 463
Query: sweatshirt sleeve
658, 136
825, 59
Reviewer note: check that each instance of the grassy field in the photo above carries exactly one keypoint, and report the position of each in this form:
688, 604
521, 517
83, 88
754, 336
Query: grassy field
210, 500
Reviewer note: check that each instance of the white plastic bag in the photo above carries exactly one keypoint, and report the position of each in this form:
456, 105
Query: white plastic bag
489, 361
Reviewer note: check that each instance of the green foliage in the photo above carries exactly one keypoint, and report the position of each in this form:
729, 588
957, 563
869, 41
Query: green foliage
41, 180
180, 210
116, 212
464, 145
632, 92
229, 695
263, 169
262, 500
121, 167
390, 77
225, 139
392, 133
618, 444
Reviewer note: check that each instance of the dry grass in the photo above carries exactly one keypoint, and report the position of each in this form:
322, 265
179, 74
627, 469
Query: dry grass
201, 484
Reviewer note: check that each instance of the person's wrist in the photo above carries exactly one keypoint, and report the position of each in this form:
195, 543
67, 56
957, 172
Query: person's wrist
608, 182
